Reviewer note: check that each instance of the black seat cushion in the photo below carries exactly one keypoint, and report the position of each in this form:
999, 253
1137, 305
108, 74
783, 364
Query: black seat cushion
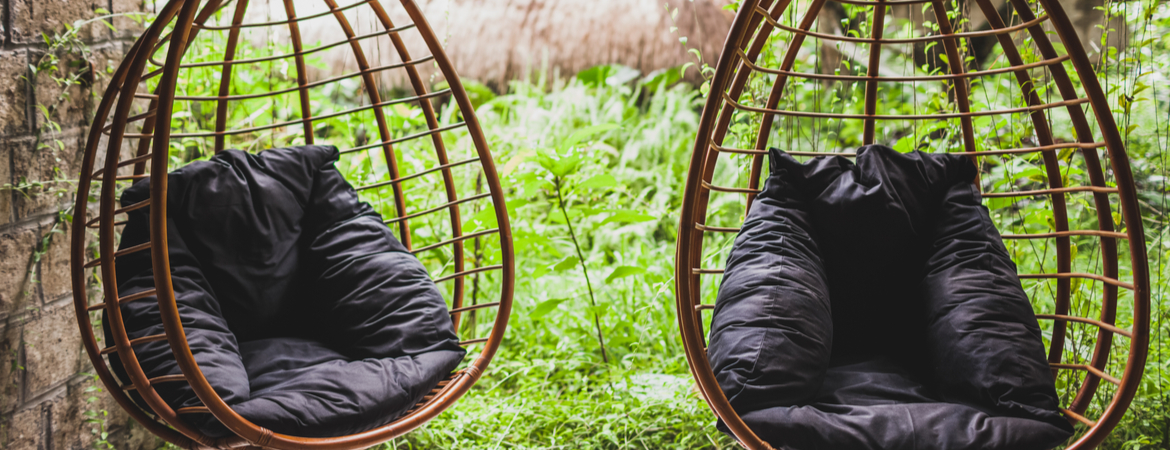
892, 231
300, 306
875, 403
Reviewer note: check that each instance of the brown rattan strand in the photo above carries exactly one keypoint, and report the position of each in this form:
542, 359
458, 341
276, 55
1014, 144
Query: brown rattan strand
157, 380
419, 174
299, 120
193, 410
473, 307
469, 272
284, 56
1078, 417
1130, 210
136, 341
118, 223
440, 388
1060, 234
704, 307
702, 271
705, 227
1087, 368
1087, 276
472, 341
135, 118
1010, 151
1099, 324
715, 188
435, 209
869, 125
738, 151
1025, 109
125, 251
742, 151
314, 84
124, 79
1038, 149
280, 22
139, 205
1094, 189
131, 161
886, 79
127, 299
935, 38
406, 138
203, 16
122, 178
454, 240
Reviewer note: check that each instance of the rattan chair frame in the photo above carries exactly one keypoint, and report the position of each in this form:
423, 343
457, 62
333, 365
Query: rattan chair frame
188, 19
738, 60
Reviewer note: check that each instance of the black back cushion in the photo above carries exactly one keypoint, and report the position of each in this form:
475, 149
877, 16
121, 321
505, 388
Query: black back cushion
874, 217
772, 329
984, 345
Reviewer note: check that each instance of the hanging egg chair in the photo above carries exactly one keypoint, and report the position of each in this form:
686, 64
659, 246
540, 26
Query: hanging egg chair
1035, 120
208, 75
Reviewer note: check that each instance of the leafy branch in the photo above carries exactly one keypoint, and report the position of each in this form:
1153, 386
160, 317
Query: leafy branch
584, 268
560, 162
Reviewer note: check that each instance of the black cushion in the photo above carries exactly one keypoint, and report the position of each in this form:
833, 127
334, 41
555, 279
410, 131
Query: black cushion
874, 218
902, 239
985, 346
875, 403
302, 309
772, 329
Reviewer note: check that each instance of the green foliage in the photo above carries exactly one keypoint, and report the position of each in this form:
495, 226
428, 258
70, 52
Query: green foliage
592, 170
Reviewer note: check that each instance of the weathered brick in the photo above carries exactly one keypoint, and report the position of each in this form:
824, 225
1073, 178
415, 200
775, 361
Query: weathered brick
127, 26
11, 366
45, 173
125, 433
105, 61
13, 93
16, 249
52, 348
66, 101
67, 424
3, 22
24, 429
56, 278
5, 180
30, 18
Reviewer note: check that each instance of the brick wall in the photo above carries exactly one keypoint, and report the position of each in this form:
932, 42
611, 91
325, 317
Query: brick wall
47, 398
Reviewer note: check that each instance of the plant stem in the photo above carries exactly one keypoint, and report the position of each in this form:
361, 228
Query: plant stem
584, 269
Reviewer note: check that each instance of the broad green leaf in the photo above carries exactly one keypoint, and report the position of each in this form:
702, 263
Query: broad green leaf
543, 308
584, 133
595, 76
624, 271
482, 220
602, 181
627, 217
566, 264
